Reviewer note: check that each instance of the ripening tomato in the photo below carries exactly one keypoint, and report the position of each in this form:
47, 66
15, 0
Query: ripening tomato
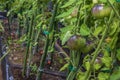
101, 11
76, 42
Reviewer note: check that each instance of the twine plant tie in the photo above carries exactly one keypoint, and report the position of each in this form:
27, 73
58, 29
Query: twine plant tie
45, 32
41, 70
117, 0
108, 49
72, 68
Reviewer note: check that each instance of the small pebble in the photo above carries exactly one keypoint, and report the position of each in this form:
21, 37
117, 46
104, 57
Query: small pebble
15, 58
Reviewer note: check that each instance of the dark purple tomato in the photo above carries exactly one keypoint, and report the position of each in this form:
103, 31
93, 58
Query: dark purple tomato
76, 42
101, 11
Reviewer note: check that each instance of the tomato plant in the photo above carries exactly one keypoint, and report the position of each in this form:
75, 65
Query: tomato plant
84, 27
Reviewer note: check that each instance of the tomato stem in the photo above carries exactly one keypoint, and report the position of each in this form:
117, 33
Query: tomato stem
96, 52
114, 9
42, 62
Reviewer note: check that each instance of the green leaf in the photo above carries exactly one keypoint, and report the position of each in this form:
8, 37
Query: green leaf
112, 1
1, 28
97, 31
66, 13
118, 54
113, 28
70, 2
104, 1
105, 53
64, 30
22, 39
38, 25
103, 76
33, 67
64, 67
113, 42
66, 37
19, 16
84, 30
35, 43
87, 65
107, 61
97, 66
38, 17
80, 75
115, 75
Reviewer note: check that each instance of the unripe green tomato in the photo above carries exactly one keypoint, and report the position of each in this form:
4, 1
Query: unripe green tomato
76, 42
101, 11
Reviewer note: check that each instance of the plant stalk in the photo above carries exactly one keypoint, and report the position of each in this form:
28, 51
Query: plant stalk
42, 62
75, 60
96, 54
114, 9
27, 50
